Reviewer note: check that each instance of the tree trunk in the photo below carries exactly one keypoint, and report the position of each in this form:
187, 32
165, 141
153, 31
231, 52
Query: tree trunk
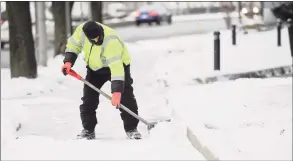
290, 33
227, 9
22, 50
58, 10
97, 12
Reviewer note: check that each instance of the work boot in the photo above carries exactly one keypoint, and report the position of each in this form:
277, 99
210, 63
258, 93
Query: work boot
86, 134
133, 134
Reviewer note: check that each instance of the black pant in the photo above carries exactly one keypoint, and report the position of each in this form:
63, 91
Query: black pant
91, 99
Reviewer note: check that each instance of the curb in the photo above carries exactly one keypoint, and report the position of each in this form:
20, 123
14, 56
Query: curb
120, 24
282, 71
205, 151
195, 141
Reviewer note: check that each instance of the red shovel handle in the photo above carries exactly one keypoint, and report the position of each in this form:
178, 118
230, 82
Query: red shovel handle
74, 74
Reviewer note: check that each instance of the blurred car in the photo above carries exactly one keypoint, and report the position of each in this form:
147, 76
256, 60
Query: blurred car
251, 17
153, 13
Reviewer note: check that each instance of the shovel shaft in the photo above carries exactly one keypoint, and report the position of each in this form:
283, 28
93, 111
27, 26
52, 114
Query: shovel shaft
121, 106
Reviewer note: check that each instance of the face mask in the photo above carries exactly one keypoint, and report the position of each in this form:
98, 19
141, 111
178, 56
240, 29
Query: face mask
99, 42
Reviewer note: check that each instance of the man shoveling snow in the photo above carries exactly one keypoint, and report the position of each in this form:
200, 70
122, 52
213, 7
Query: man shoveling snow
107, 58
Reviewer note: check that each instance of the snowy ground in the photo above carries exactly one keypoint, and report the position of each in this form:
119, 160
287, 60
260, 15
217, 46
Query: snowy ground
48, 111
242, 119
47, 107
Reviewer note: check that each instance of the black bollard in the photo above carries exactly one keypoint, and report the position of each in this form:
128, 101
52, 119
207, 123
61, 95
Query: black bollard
279, 25
290, 32
233, 34
216, 50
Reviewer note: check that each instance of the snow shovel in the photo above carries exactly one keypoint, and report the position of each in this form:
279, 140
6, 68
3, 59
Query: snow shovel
150, 125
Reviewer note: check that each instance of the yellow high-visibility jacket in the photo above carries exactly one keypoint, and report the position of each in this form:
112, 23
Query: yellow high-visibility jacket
112, 53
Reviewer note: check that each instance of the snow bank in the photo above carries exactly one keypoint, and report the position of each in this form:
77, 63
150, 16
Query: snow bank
48, 78
18, 87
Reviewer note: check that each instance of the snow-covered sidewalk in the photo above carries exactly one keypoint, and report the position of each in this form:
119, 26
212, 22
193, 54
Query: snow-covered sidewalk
48, 110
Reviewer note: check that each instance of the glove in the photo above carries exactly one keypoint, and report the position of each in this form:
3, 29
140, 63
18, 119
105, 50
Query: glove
66, 68
116, 98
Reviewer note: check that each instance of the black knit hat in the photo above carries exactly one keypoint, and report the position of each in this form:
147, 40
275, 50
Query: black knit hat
92, 29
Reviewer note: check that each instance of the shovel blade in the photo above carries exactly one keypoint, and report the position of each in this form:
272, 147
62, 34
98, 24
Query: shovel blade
152, 125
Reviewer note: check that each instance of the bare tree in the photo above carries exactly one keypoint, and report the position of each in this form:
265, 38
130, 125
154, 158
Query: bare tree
58, 10
227, 8
22, 49
97, 12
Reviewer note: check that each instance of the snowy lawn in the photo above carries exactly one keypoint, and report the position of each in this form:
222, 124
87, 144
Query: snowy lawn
242, 119
193, 56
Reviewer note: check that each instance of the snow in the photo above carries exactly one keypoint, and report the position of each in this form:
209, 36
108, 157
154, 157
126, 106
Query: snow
11, 120
246, 119
230, 118
51, 120
149, 148
254, 51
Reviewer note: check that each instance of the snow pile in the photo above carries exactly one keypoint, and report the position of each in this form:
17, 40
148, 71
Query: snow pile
26, 87
48, 78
